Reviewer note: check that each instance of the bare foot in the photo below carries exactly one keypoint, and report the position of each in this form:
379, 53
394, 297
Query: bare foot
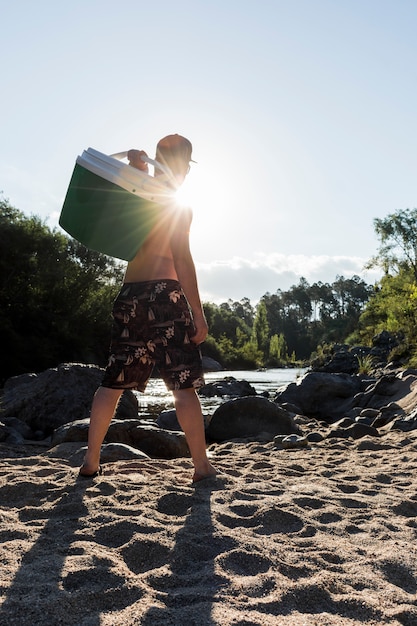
210, 473
86, 472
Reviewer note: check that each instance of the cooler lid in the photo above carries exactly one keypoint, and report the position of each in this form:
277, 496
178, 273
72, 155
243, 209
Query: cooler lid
129, 178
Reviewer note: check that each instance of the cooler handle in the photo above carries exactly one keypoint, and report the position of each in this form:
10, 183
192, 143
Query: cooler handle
163, 168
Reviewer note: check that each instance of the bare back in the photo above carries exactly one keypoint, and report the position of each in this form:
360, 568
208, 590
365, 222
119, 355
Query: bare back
155, 260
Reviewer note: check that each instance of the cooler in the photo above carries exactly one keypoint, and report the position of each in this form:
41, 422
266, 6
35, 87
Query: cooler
110, 206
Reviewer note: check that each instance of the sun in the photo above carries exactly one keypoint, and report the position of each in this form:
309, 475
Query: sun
189, 194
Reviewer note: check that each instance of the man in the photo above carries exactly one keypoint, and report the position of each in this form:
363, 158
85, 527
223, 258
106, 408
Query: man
158, 319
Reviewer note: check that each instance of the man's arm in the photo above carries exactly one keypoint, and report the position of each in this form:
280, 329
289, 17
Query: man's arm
185, 269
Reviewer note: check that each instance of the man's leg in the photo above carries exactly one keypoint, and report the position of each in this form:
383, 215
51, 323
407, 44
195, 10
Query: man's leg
102, 410
190, 417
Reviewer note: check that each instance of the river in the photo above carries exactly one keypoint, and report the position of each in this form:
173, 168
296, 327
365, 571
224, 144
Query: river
157, 398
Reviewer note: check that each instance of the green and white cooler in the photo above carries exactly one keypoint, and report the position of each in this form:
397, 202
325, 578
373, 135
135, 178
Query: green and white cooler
110, 206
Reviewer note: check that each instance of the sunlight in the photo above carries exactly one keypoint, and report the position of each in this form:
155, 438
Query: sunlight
188, 193
208, 194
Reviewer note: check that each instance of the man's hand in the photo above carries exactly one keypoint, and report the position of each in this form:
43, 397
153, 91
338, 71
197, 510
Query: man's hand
201, 327
135, 160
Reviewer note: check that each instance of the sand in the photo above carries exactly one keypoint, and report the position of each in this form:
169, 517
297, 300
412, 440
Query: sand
318, 536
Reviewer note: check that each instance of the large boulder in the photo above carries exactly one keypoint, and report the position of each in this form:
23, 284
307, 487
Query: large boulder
322, 395
393, 394
229, 386
211, 365
248, 418
74, 453
341, 361
139, 434
58, 395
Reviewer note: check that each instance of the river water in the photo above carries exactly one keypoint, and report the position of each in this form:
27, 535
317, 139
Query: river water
157, 398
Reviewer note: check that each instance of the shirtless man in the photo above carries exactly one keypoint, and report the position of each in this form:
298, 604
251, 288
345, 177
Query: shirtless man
158, 319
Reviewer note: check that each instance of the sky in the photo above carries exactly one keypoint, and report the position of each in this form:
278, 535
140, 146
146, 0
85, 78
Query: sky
302, 115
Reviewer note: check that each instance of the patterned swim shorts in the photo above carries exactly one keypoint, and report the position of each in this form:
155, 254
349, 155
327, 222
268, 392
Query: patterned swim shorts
152, 325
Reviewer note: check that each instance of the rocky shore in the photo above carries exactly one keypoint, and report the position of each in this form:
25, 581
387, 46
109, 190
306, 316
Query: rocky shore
311, 521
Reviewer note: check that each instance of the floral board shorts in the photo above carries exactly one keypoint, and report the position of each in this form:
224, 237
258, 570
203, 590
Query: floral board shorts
152, 325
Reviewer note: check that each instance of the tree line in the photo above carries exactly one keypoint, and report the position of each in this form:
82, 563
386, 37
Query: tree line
286, 327
56, 297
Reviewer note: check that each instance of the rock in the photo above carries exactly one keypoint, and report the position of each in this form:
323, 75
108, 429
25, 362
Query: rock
321, 395
354, 431
168, 420
364, 420
290, 441
315, 437
340, 362
383, 343
407, 372
211, 365
74, 453
354, 412
405, 425
391, 394
247, 417
13, 437
23, 429
71, 432
154, 441
3, 432
345, 422
151, 440
57, 396
371, 413
121, 452
229, 386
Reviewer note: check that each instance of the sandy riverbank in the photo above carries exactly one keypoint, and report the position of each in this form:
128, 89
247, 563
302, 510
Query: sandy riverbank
318, 536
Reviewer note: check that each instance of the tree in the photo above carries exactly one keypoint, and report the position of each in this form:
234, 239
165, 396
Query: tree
398, 242
278, 351
260, 331
55, 296
392, 307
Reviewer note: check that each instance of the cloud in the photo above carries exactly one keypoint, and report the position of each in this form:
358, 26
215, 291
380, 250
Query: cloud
237, 278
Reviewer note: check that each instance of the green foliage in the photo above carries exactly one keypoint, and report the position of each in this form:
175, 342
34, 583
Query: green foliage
310, 315
286, 327
393, 303
398, 242
366, 364
260, 330
56, 300
55, 296
392, 307
278, 351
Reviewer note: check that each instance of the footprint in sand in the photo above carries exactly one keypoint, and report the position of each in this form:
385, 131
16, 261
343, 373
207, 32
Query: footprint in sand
242, 495
407, 508
86, 584
399, 575
329, 518
265, 521
143, 555
175, 504
347, 488
351, 503
82, 578
262, 465
309, 503
119, 533
244, 510
295, 572
244, 563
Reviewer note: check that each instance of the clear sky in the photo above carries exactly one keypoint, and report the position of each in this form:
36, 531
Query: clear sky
302, 114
